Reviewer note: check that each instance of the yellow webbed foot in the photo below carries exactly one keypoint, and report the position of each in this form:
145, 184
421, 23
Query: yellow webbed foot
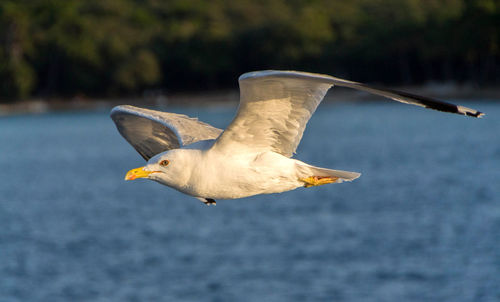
312, 181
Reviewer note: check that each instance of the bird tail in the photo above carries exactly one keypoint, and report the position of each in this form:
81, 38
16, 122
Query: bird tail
315, 176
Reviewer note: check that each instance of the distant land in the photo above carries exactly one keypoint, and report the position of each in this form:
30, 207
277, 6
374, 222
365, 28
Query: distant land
227, 97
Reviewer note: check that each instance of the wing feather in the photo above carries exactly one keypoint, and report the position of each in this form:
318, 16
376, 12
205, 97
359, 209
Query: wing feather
151, 132
275, 107
273, 112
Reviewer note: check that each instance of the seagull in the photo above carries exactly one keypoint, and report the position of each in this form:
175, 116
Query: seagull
253, 155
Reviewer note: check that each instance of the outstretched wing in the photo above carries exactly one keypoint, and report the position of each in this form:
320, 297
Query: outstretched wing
151, 132
275, 107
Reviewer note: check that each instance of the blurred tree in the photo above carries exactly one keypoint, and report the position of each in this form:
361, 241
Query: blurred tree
117, 47
16, 73
93, 47
476, 38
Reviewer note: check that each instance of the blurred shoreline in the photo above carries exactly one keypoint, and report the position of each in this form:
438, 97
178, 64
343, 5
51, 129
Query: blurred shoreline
152, 99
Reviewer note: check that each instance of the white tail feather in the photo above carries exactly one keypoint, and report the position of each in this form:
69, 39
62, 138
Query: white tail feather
308, 170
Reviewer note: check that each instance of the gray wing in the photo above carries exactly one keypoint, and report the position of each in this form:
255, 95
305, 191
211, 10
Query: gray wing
275, 107
151, 132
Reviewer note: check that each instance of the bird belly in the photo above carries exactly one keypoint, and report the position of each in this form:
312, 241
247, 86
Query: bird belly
237, 177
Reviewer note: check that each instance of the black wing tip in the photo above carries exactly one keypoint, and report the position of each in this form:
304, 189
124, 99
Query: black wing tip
469, 112
432, 103
477, 114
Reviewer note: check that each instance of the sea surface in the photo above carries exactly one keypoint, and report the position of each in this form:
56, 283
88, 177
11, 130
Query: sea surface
421, 224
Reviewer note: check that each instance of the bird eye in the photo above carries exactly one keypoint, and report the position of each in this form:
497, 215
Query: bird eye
164, 163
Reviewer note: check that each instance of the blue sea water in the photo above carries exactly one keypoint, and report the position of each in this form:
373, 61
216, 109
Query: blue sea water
421, 224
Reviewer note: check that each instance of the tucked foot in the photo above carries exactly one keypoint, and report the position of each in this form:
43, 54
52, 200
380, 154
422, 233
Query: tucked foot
209, 201
312, 181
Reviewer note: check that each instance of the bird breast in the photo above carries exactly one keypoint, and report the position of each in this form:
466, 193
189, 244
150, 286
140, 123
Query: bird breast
241, 175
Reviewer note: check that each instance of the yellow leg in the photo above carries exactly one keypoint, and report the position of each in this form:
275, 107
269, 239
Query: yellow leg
312, 181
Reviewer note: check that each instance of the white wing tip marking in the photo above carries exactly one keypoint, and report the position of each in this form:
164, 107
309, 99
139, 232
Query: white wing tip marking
469, 112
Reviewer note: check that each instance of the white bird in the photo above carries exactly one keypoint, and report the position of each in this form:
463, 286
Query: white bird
253, 155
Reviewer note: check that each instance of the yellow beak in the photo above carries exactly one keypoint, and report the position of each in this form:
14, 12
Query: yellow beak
137, 173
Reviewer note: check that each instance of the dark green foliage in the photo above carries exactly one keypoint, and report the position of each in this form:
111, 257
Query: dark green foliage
116, 47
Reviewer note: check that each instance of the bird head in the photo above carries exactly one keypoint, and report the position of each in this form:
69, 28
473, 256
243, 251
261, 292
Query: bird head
167, 168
